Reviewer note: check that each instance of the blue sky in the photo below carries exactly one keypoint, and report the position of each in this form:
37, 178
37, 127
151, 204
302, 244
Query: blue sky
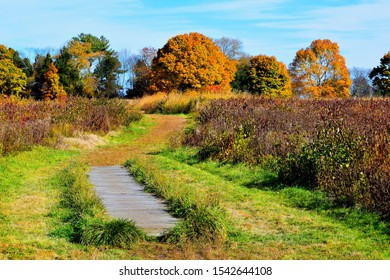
271, 27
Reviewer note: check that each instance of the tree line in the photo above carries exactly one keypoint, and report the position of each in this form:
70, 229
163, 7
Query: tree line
87, 66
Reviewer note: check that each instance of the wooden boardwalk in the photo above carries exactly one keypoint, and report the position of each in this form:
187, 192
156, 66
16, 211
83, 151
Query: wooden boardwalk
123, 197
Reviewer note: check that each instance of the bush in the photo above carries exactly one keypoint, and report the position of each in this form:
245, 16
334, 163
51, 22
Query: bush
118, 233
25, 123
339, 146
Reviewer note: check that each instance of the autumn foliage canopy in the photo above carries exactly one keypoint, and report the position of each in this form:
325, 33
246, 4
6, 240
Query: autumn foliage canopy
191, 61
320, 71
267, 76
12, 79
52, 89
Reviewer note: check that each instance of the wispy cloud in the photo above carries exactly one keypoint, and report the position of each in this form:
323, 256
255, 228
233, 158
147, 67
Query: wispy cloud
358, 17
273, 27
233, 9
361, 29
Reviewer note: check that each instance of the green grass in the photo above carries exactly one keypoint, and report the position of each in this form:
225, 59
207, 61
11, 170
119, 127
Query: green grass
128, 134
27, 193
267, 220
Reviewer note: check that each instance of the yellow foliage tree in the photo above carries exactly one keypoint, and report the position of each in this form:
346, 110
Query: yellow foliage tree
12, 79
320, 71
268, 76
190, 61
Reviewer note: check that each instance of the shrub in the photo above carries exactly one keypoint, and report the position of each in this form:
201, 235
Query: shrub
24, 123
339, 146
118, 233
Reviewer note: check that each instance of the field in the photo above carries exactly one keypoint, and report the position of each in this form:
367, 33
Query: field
252, 188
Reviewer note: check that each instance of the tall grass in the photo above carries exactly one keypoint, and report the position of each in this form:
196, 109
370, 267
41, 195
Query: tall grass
178, 102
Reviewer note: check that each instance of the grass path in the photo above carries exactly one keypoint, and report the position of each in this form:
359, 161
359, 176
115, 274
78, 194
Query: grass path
137, 142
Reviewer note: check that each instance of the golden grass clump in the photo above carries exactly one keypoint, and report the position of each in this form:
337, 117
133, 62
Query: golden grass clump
177, 102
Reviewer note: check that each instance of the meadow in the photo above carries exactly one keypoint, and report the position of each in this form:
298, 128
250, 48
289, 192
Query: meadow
339, 146
250, 178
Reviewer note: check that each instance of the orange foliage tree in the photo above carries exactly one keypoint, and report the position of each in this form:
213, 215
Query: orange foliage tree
52, 89
190, 61
320, 71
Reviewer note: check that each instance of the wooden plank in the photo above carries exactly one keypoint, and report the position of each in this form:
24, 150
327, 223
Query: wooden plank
123, 197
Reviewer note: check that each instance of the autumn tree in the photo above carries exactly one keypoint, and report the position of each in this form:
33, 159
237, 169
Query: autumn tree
12, 79
380, 76
320, 71
232, 48
190, 61
51, 88
262, 75
40, 68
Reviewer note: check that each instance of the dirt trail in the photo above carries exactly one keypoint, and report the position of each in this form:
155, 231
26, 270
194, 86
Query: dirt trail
155, 139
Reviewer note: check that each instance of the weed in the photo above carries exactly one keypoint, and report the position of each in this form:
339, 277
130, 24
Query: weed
117, 232
200, 223
178, 102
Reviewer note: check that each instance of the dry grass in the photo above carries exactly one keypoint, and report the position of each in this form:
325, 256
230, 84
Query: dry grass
81, 142
178, 102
